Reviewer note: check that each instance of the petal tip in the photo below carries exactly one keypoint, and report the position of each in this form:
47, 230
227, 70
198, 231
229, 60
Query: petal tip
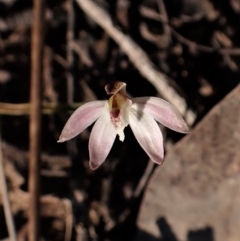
61, 140
159, 161
93, 166
185, 128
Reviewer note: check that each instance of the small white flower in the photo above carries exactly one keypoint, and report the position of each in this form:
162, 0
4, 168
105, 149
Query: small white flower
118, 112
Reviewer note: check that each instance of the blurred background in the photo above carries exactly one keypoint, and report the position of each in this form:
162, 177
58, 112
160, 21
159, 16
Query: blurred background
193, 47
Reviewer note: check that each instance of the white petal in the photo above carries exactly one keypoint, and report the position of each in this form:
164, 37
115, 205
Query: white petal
83, 117
101, 140
148, 134
161, 111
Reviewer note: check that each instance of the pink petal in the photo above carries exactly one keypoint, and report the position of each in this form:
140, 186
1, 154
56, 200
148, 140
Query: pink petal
101, 140
148, 134
161, 111
83, 117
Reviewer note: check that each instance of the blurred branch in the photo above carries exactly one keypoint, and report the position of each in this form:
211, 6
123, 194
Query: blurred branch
9, 3
137, 192
138, 57
49, 93
23, 232
69, 220
48, 108
22, 20
166, 28
50, 206
193, 46
35, 118
144, 179
83, 55
70, 57
5, 199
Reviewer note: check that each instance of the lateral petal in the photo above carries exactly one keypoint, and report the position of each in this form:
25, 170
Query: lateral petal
161, 111
83, 117
148, 134
101, 140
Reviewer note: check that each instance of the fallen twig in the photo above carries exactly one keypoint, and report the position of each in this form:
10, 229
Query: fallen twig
83, 55
21, 20
35, 119
166, 28
70, 57
69, 220
143, 181
193, 46
49, 93
47, 108
5, 199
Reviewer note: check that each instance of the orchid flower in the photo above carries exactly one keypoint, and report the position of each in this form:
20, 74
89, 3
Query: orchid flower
118, 112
